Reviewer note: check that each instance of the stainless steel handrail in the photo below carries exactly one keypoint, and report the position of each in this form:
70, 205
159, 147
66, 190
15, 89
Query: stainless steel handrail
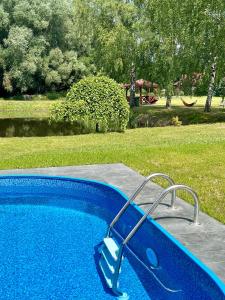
157, 202
135, 194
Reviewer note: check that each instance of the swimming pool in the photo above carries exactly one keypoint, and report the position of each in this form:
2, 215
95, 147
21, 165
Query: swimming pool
50, 230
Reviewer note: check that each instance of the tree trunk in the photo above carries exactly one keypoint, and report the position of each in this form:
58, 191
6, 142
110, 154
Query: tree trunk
132, 87
168, 101
140, 96
169, 94
126, 93
223, 90
208, 102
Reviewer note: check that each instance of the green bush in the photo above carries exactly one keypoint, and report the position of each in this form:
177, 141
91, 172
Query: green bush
97, 101
175, 121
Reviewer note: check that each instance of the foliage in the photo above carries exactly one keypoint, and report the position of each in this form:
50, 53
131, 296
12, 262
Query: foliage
110, 23
39, 49
52, 44
202, 86
165, 39
95, 100
175, 121
220, 89
62, 69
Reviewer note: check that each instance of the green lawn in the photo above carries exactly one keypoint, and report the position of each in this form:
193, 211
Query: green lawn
192, 155
176, 101
40, 106
25, 109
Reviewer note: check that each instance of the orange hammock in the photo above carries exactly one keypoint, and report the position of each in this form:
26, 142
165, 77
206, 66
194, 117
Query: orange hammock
189, 104
149, 99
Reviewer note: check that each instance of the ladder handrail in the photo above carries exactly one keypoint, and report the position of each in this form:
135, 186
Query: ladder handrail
157, 202
138, 190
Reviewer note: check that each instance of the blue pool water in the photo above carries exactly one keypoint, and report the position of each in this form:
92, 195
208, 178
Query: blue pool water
50, 229
49, 252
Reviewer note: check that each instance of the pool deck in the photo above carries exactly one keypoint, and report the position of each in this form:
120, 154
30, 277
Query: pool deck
206, 241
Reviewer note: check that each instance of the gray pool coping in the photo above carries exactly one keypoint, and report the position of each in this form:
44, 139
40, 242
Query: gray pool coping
206, 241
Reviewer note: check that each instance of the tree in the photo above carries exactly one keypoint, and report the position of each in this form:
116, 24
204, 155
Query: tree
183, 38
215, 42
62, 69
113, 36
165, 39
32, 34
132, 85
204, 40
160, 42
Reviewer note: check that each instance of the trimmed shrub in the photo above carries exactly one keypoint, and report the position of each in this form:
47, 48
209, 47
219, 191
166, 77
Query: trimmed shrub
96, 101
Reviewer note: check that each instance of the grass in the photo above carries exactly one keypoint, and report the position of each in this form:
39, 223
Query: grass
157, 115
176, 101
193, 155
25, 109
37, 107
40, 107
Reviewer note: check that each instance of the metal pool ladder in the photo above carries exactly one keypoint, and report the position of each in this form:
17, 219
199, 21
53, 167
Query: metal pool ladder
112, 253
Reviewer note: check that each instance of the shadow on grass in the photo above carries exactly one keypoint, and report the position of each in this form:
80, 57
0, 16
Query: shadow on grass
159, 116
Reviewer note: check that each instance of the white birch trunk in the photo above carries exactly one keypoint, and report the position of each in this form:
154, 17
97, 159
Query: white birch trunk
208, 102
132, 86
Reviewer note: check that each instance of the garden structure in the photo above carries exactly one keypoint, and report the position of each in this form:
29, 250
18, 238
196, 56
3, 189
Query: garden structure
148, 86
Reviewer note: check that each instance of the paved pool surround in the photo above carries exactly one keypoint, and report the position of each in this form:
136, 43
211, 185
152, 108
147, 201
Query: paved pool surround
206, 241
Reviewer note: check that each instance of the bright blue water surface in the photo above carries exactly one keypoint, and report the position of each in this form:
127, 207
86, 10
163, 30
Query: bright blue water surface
48, 253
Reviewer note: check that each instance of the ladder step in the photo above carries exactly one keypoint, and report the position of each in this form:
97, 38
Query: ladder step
109, 261
112, 247
106, 272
